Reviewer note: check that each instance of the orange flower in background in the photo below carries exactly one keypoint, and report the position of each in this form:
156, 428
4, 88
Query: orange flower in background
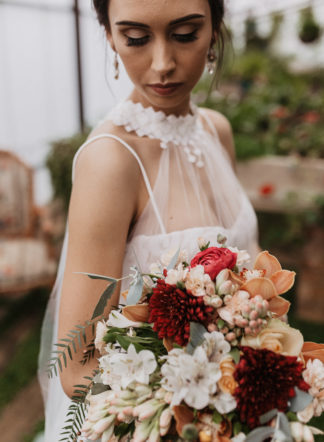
311, 351
267, 190
311, 117
280, 112
275, 282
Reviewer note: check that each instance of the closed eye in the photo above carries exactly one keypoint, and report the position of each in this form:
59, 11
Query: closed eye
186, 38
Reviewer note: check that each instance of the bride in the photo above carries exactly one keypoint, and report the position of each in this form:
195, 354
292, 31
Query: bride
156, 174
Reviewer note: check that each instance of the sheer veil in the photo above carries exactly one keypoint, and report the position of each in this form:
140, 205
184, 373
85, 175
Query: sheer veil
55, 401
194, 198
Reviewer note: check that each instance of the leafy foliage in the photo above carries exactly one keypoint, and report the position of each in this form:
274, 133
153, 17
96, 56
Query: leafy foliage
76, 412
76, 339
144, 338
59, 163
272, 110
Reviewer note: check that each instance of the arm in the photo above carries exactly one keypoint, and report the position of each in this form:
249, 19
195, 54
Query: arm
103, 204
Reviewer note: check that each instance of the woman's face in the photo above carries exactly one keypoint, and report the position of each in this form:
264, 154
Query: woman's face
163, 45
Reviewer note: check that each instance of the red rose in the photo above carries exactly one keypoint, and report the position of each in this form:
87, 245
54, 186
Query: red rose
214, 260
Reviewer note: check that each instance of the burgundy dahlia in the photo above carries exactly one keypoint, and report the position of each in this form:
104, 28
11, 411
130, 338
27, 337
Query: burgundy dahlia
266, 380
172, 310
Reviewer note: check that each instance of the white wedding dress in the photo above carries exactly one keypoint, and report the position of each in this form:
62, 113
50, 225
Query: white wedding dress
195, 194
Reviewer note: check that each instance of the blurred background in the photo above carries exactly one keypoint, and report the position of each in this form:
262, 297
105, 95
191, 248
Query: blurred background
54, 70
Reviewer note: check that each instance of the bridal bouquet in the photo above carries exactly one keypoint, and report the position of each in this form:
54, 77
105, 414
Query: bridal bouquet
202, 352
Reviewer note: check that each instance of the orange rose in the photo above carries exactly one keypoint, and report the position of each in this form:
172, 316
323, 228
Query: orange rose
227, 382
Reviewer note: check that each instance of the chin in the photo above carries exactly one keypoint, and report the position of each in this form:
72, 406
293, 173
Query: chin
169, 102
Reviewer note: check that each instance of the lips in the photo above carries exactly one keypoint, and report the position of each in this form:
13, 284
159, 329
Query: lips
165, 89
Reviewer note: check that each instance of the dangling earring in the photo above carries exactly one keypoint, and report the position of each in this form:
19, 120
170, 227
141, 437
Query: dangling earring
116, 66
211, 61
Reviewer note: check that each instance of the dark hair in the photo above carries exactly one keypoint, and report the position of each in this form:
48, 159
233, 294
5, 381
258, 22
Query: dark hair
217, 12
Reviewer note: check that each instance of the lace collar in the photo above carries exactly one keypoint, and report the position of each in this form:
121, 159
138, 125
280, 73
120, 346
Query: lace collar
171, 130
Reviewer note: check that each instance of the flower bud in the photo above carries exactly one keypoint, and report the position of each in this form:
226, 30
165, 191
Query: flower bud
297, 431
227, 299
221, 278
202, 243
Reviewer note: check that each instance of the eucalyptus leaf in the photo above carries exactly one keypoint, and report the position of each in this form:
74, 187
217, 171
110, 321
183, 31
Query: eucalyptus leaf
197, 332
284, 427
265, 418
260, 434
174, 260
135, 291
104, 298
300, 401
95, 276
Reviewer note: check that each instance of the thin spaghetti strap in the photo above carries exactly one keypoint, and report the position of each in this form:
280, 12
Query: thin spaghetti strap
132, 151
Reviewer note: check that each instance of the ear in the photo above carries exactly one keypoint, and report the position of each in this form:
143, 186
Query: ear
214, 38
110, 39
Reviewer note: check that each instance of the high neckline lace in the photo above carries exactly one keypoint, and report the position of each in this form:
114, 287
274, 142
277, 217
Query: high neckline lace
183, 130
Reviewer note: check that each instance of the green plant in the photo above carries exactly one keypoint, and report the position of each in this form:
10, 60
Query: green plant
310, 30
271, 109
59, 163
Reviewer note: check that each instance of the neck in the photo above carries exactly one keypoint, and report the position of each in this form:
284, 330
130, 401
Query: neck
181, 108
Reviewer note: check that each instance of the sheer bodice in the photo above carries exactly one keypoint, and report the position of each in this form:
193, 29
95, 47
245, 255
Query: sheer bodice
195, 193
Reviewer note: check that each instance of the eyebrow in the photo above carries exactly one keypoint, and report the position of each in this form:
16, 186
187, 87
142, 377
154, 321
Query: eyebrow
173, 22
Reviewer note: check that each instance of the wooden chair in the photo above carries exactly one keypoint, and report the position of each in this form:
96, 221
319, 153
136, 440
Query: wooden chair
25, 258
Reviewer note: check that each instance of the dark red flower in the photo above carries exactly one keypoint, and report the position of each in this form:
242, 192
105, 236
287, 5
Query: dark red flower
172, 310
266, 380
214, 260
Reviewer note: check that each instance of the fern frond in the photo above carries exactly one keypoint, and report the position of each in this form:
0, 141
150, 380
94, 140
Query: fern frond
88, 354
76, 412
75, 340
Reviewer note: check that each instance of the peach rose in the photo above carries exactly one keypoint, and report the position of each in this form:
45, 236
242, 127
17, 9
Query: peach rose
227, 383
277, 337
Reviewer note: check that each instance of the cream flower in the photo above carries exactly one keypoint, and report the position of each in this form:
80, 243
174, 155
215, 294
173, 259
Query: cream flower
197, 281
234, 307
278, 337
314, 376
176, 275
101, 331
242, 256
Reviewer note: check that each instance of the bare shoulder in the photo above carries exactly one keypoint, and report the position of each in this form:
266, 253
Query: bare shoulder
224, 130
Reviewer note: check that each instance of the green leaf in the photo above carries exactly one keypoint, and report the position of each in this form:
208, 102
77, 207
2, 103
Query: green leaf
98, 388
235, 354
237, 428
284, 427
300, 401
107, 294
135, 291
95, 276
220, 324
174, 260
217, 417
197, 332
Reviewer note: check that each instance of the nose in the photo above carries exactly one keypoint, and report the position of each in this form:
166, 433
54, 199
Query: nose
163, 60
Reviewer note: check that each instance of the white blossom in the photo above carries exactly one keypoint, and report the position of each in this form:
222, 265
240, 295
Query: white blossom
223, 402
191, 378
215, 346
132, 366
117, 319
242, 256
314, 376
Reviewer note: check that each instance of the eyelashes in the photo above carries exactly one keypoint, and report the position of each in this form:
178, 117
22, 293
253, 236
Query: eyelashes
181, 38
